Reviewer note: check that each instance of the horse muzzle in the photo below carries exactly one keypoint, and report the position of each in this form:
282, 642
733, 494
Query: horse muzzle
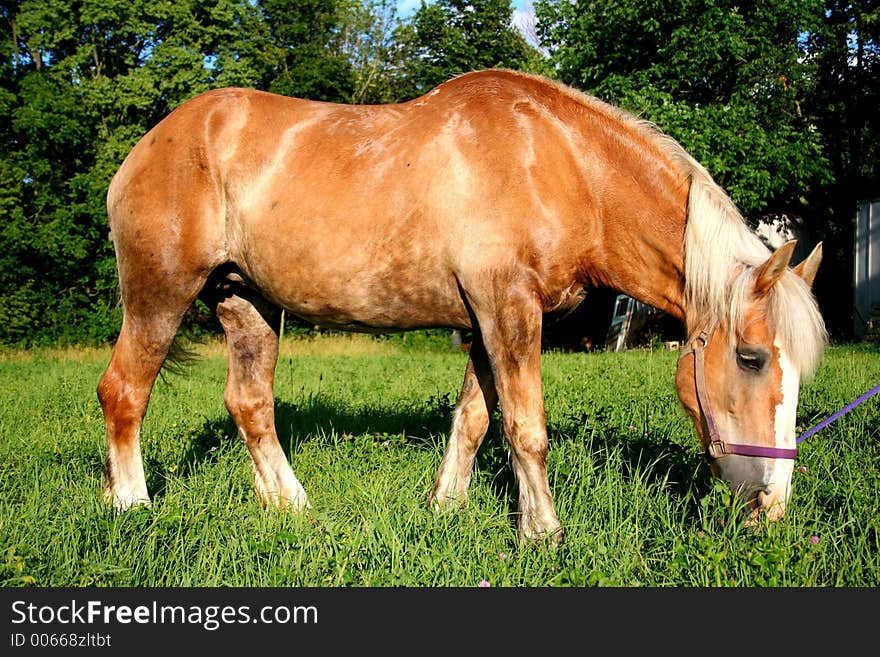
762, 483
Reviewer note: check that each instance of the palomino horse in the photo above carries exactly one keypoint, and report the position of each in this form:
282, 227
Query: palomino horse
484, 204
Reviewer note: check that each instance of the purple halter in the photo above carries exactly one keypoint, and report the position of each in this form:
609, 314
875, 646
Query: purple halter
718, 448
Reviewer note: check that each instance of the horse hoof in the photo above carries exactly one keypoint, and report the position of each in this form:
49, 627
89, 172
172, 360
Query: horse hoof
552, 538
447, 503
126, 502
297, 503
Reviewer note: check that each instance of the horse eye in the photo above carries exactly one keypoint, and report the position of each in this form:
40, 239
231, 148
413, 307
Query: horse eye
750, 361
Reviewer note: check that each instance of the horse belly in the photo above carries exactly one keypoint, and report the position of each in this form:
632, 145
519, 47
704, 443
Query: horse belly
374, 306
353, 285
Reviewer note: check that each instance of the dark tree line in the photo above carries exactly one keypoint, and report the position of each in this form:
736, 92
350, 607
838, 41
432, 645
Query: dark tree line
778, 99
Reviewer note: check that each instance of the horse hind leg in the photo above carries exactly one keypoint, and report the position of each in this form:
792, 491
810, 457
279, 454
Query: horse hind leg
470, 421
251, 325
146, 336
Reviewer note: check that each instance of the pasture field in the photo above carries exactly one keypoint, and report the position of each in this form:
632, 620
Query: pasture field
364, 421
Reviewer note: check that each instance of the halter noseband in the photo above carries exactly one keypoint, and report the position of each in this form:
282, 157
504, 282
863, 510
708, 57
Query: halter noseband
717, 448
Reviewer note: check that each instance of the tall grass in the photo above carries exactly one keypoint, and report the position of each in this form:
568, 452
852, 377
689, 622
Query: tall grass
364, 422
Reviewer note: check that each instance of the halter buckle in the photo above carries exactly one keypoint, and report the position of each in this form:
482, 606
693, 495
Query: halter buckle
716, 450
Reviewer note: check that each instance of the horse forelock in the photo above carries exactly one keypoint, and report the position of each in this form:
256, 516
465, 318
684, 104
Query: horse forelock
793, 314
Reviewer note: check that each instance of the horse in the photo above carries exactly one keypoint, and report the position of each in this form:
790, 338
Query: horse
493, 200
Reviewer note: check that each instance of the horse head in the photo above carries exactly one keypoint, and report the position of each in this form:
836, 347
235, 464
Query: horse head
739, 380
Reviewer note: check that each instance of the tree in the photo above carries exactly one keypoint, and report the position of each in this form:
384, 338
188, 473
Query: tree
775, 98
843, 54
722, 77
451, 37
367, 30
305, 35
81, 82
778, 99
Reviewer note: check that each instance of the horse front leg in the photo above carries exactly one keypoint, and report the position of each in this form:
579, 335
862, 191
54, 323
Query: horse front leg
251, 327
470, 422
510, 322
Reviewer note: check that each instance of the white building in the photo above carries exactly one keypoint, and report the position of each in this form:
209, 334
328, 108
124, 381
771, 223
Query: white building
866, 277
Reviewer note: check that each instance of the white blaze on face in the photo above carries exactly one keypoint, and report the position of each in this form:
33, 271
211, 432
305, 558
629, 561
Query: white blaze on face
779, 480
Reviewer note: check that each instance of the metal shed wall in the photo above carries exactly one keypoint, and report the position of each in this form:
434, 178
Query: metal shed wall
866, 281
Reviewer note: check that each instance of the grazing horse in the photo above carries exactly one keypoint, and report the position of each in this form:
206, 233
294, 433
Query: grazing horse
488, 202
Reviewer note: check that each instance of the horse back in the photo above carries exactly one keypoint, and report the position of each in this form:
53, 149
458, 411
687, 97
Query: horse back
365, 215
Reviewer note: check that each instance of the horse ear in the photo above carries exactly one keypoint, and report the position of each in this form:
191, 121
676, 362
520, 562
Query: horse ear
809, 265
772, 270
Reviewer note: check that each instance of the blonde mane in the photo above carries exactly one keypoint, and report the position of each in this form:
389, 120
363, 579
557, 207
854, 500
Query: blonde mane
721, 259
722, 255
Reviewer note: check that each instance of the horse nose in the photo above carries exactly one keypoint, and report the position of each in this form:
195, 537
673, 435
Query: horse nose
749, 478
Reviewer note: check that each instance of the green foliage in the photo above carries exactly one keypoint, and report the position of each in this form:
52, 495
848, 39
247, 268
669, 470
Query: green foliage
312, 64
81, 83
775, 98
724, 78
450, 37
368, 40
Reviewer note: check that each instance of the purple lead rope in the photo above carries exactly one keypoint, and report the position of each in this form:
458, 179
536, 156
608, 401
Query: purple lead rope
843, 411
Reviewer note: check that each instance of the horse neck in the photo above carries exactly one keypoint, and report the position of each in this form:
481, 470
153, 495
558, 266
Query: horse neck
643, 226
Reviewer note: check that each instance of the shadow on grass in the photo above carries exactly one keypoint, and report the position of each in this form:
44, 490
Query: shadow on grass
653, 457
319, 419
650, 455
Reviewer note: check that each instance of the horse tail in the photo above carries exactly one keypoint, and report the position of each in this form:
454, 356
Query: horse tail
181, 357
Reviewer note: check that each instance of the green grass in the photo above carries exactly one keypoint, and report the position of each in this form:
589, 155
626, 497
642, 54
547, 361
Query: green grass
365, 422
